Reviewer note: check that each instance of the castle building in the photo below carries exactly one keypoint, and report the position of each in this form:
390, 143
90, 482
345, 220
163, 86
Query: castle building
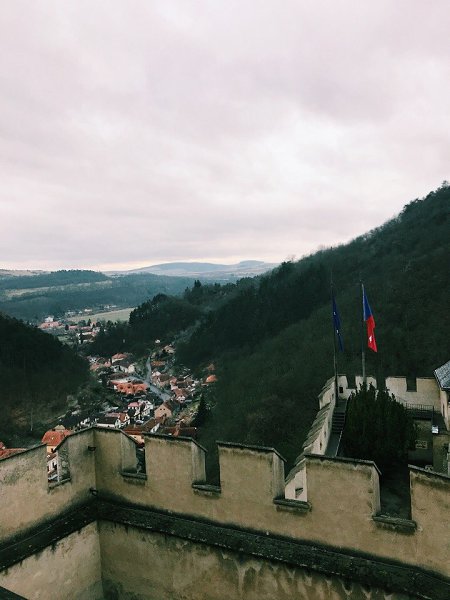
107, 529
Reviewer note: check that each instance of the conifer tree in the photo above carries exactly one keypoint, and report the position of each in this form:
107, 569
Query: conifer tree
377, 428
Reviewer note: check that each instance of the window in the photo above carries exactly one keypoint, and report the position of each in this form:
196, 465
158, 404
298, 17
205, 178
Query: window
411, 384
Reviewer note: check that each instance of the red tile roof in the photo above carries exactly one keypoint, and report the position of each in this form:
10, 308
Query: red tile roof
7, 452
54, 438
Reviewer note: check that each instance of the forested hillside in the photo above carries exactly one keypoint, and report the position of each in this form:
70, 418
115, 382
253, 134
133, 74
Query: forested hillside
33, 297
165, 317
161, 317
36, 373
273, 342
56, 278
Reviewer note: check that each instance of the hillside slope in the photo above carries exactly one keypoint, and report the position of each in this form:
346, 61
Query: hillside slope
37, 372
273, 341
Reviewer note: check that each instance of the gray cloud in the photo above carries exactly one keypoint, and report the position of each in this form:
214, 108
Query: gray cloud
139, 132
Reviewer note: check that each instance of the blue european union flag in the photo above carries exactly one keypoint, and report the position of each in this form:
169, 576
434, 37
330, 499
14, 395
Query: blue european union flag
337, 325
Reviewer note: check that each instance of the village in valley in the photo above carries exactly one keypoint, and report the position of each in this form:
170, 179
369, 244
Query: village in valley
76, 328
138, 398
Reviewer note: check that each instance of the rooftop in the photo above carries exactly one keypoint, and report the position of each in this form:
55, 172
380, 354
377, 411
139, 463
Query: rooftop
442, 375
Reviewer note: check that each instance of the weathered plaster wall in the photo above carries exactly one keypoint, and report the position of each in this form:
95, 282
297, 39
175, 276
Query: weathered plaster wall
169, 568
341, 511
27, 499
440, 452
430, 502
427, 391
69, 569
343, 496
327, 395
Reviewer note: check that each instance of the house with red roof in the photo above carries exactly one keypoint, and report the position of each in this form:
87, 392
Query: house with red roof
131, 387
53, 437
124, 418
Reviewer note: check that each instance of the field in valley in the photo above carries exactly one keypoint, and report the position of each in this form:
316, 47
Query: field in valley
121, 314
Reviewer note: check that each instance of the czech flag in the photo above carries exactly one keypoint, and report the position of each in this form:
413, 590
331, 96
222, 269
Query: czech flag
370, 322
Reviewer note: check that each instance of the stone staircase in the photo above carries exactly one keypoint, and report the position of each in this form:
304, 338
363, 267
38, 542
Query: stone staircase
338, 422
337, 427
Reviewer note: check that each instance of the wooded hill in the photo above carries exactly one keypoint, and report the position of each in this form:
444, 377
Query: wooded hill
273, 342
271, 337
36, 373
33, 297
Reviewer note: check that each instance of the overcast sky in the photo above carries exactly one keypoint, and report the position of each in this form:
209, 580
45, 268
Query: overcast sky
137, 132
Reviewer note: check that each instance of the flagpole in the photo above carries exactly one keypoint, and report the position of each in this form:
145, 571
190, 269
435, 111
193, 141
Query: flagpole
363, 352
335, 365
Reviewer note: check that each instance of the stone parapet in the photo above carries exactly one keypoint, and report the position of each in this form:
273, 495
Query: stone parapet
341, 511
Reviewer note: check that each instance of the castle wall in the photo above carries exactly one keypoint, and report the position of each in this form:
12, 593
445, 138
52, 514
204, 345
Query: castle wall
427, 391
342, 497
429, 498
327, 394
26, 497
69, 569
170, 568
340, 512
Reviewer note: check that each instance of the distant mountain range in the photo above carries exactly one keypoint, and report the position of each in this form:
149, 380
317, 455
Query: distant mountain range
32, 295
204, 270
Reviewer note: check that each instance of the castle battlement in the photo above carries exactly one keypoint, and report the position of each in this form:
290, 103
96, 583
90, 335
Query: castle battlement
341, 509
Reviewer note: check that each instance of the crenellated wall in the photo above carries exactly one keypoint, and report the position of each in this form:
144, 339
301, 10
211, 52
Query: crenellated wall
340, 514
26, 497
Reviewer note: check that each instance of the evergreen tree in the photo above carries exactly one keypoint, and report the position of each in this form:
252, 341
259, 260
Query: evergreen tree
377, 428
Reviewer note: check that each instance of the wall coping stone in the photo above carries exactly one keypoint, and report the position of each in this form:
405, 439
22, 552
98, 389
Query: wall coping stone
98, 428
298, 466
172, 438
326, 385
265, 449
74, 434
342, 459
429, 474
